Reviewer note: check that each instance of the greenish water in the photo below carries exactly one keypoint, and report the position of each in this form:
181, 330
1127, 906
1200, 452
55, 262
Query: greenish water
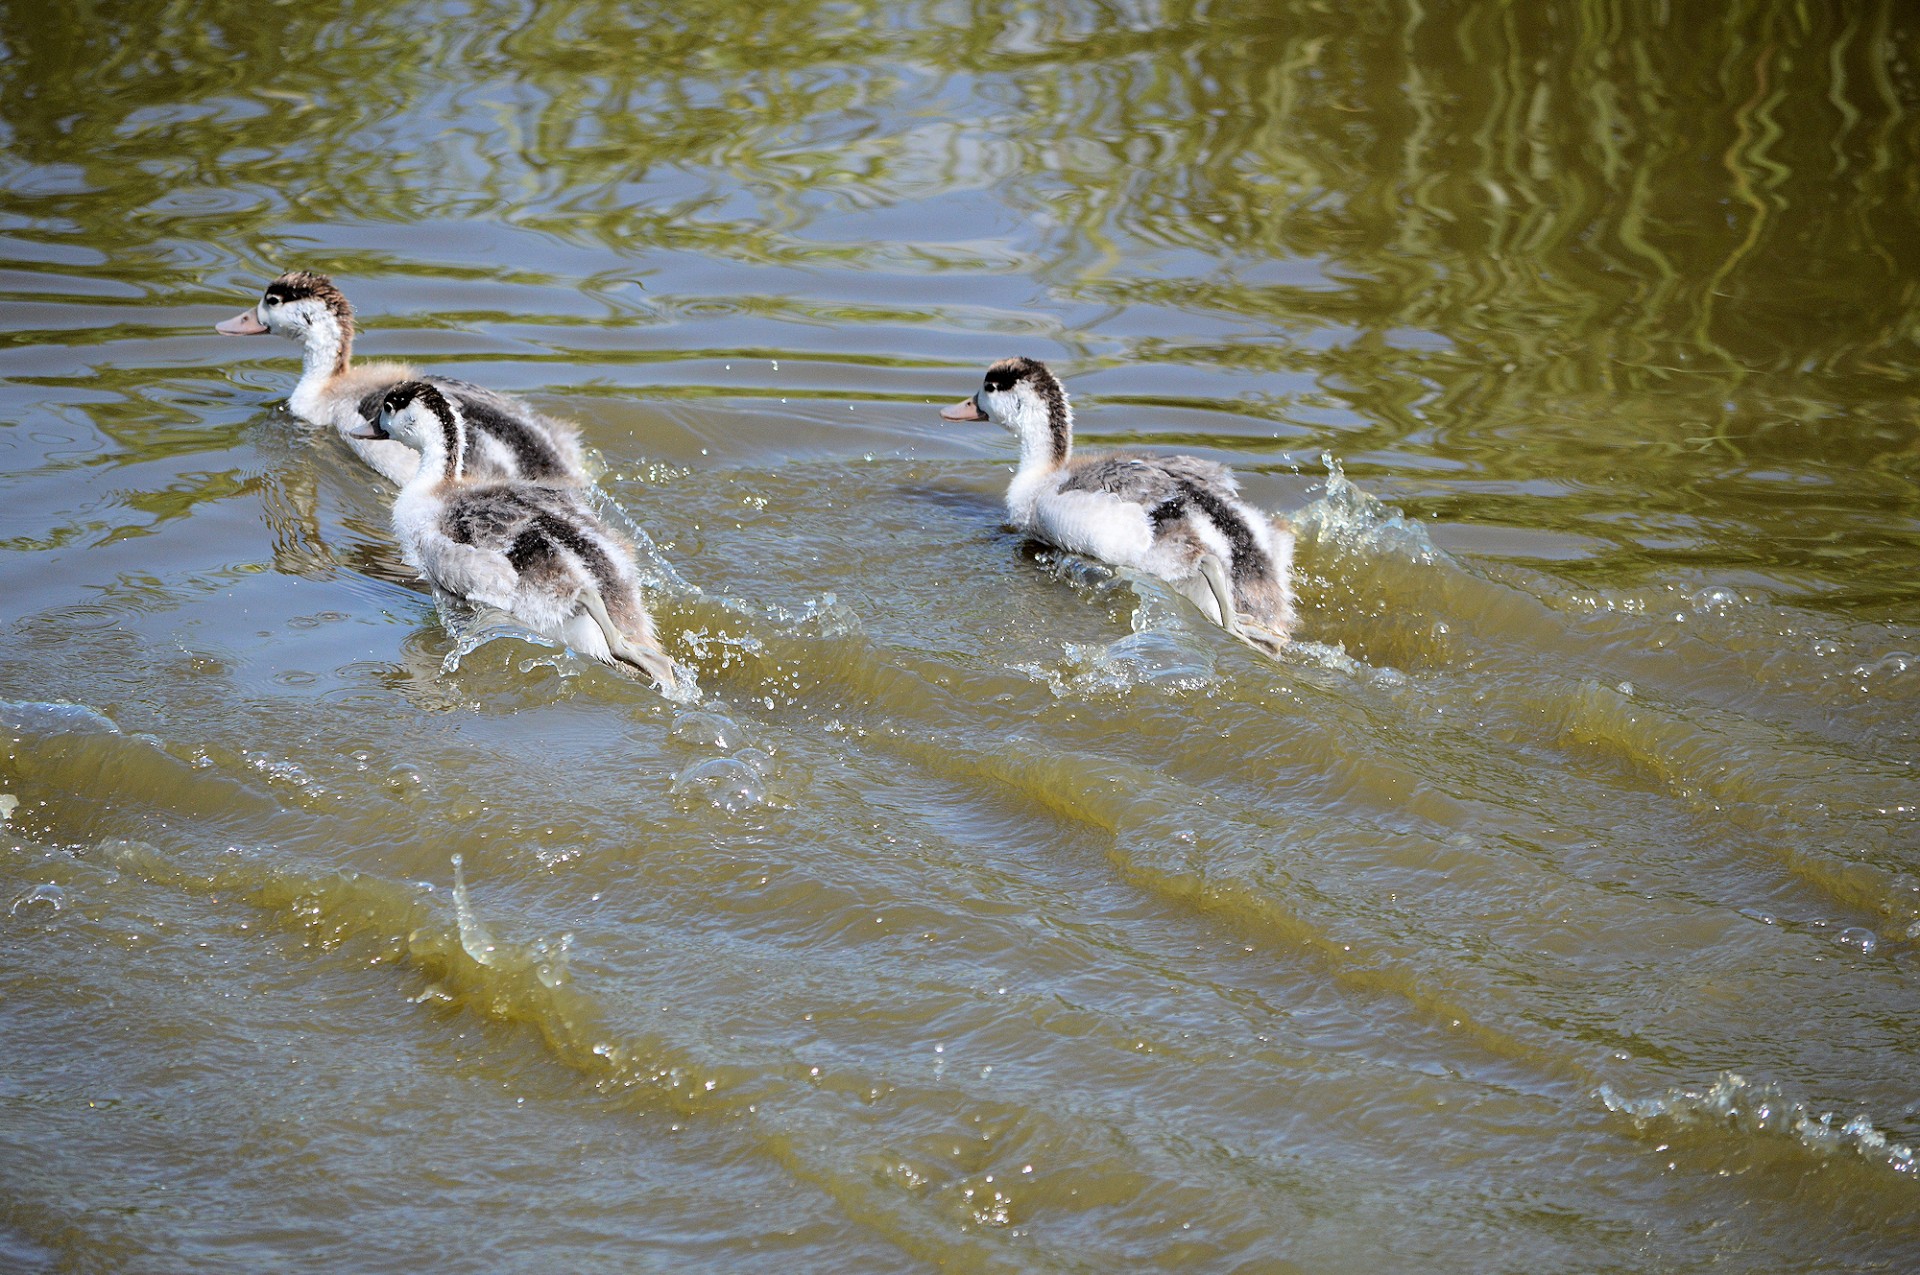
1554, 904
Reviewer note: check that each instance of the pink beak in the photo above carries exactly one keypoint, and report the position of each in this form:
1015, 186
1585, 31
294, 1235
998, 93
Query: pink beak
245, 323
965, 410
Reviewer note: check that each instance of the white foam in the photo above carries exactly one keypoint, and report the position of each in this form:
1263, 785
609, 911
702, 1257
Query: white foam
1762, 1110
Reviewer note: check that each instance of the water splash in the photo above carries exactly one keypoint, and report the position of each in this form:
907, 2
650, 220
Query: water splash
474, 935
655, 571
732, 784
54, 717
707, 728
1762, 1110
1154, 659
686, 686
1163, 652
1354, 519
45, 897
825, 616
473, 626
721, 649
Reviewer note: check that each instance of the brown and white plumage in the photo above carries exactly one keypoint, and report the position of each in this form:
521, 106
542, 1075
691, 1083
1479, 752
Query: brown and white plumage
533, 550
1180, 518
506, 437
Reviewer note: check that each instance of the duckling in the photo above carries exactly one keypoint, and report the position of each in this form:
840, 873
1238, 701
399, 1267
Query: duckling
1180, 518
532, 549
506, 437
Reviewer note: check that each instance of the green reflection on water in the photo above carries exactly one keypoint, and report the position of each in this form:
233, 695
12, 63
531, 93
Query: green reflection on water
1646, 261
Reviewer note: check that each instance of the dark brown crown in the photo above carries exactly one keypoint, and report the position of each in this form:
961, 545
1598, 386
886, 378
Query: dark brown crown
403, 395
299, 285
1002, 375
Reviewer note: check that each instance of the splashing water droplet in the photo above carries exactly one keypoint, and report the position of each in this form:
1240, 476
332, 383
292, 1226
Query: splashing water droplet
725, 783
45, 896
1859, 938
708, 730
473, 932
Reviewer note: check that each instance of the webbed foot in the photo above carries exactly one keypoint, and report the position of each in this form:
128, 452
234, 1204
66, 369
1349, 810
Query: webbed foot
652, 661
1215, 574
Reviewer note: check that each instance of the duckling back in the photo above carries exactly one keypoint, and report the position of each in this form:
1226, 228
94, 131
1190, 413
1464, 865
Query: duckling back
540, 554
505, 438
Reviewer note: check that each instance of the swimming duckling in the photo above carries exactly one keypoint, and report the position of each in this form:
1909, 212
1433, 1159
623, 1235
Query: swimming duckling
534, 550
506, 437
1176, 517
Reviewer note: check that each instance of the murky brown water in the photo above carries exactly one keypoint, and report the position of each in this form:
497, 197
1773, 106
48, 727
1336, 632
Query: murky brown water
1552, 906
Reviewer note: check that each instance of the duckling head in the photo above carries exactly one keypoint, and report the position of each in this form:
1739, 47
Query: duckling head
302, 305
1023, 396
417, 414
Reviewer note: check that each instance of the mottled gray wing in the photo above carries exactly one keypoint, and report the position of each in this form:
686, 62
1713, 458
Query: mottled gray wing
1149, 480
468, 392
542, 447
488, 517
563, 502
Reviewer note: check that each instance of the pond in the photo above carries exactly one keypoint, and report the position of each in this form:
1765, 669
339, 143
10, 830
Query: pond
1551, 902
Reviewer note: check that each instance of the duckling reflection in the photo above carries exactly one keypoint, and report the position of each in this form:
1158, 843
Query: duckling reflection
1180, 518
533, 550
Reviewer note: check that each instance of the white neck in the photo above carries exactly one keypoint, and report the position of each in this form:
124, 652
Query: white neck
1030, 425
418, 508
1042, 456
442, 449
328, 352
433, 470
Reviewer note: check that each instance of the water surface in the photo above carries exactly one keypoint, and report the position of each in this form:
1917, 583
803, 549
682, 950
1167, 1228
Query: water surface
1552, 905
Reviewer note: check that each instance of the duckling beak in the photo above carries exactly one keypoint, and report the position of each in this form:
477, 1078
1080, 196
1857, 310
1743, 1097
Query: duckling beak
966, 409
245, 323
369, 430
